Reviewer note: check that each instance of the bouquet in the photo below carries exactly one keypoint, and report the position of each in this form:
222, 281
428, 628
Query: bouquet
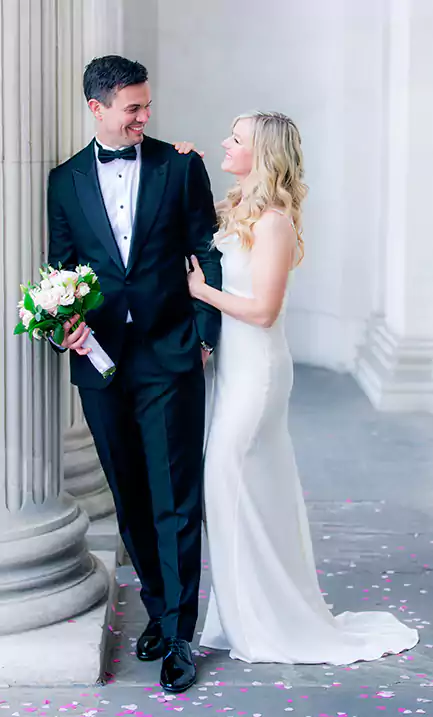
58, 297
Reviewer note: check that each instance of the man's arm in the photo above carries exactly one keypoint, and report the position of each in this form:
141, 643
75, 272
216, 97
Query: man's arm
60, 249
200, 223
60, 245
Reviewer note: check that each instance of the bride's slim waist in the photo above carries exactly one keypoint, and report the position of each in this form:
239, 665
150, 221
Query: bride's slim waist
236, 333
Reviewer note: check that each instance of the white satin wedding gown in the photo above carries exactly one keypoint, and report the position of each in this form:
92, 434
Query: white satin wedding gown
266, 604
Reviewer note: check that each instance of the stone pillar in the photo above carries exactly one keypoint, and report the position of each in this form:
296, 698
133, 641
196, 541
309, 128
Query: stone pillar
395, 367
84, 477
46, 571
86, 29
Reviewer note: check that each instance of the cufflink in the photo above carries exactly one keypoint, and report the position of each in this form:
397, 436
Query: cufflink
206, 347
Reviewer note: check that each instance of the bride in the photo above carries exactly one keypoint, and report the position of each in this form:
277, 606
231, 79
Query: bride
266, 604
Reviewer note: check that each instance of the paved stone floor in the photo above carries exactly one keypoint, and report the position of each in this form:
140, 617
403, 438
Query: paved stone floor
368, 480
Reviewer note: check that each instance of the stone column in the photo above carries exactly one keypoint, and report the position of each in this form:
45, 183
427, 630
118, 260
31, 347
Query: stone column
46, 571
86, 29
395, 367
84, 477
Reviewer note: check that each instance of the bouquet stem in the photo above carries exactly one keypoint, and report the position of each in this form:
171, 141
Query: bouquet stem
98, 357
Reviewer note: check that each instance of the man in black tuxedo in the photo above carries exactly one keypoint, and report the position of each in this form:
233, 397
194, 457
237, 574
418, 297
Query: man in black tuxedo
133, 208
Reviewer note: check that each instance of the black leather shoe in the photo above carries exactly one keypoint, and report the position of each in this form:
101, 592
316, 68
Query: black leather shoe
178, 671
150, 645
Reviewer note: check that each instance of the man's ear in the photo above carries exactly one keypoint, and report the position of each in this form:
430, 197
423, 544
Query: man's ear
95, 108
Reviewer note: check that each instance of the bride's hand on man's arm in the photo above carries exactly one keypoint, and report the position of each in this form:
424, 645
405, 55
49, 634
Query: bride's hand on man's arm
196, 278
272, 256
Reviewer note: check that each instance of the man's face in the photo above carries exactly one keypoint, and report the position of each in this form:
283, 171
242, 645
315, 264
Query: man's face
122, 124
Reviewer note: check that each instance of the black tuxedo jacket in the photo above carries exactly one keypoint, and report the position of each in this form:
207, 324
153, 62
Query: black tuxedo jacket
174, 218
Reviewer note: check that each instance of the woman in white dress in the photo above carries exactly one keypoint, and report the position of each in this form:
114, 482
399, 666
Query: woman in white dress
266, 604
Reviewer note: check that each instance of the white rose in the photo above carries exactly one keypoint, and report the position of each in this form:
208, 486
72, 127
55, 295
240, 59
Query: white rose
45, 284
83, 270
37, 334
69, 276
25, 316
86, 271
49, 299
35, 293
55, 278
67, 297
82, 289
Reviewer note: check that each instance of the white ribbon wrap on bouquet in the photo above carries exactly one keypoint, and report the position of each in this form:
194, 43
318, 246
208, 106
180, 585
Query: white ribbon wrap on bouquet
101, 360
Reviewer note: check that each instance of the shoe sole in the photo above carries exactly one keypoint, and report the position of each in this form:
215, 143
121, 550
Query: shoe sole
176, 690
155, 656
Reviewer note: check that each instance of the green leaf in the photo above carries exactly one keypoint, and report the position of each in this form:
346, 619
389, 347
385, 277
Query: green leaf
99, 301
66, 311
20, 329
47, 325
29, 303
92, 301
59, 334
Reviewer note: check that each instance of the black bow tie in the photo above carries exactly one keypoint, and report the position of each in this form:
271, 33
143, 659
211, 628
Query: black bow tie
107, 155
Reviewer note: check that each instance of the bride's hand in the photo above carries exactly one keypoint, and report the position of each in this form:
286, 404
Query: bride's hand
186, 148
196, 278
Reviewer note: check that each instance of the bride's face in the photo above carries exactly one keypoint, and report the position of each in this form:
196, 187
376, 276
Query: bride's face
238, 159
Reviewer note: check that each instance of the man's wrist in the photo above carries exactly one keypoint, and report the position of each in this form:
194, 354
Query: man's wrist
206, 347
61, 349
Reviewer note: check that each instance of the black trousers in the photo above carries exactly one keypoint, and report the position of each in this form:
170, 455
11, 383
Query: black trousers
148, 428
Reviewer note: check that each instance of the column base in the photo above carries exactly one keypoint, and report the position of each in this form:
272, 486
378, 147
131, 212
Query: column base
46, 572
396, 373
84, 478
103, 534
71, 652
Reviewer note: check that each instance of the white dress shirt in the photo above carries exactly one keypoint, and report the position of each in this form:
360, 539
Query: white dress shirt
119, 180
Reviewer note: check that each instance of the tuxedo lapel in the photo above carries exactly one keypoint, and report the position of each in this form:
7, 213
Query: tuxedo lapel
153, 179
92, 203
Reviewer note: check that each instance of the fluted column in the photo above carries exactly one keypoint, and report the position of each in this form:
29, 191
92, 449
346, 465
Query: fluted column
46, 571
84, 477
86, 29
395, 367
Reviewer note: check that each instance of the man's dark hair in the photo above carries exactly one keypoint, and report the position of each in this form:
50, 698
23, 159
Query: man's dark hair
105, 76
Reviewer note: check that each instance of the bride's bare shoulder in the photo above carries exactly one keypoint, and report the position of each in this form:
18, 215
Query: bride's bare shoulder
274, 220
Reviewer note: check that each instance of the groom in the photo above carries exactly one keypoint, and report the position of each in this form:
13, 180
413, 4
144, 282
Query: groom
133, 208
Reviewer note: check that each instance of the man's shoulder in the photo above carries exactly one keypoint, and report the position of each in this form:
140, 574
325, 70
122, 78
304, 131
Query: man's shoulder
77, 160
167, 152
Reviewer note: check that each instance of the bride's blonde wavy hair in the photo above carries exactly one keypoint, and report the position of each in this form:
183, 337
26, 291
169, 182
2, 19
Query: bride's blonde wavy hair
275, 179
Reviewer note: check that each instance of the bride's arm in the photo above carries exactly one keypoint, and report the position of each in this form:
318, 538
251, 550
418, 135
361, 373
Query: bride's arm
273, 255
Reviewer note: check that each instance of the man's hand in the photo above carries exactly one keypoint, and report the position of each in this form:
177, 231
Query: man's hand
74, 341
186, 148
204, 357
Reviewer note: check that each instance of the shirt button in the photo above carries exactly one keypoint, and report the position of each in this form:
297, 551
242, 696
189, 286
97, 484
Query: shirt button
120, 176
125, 237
